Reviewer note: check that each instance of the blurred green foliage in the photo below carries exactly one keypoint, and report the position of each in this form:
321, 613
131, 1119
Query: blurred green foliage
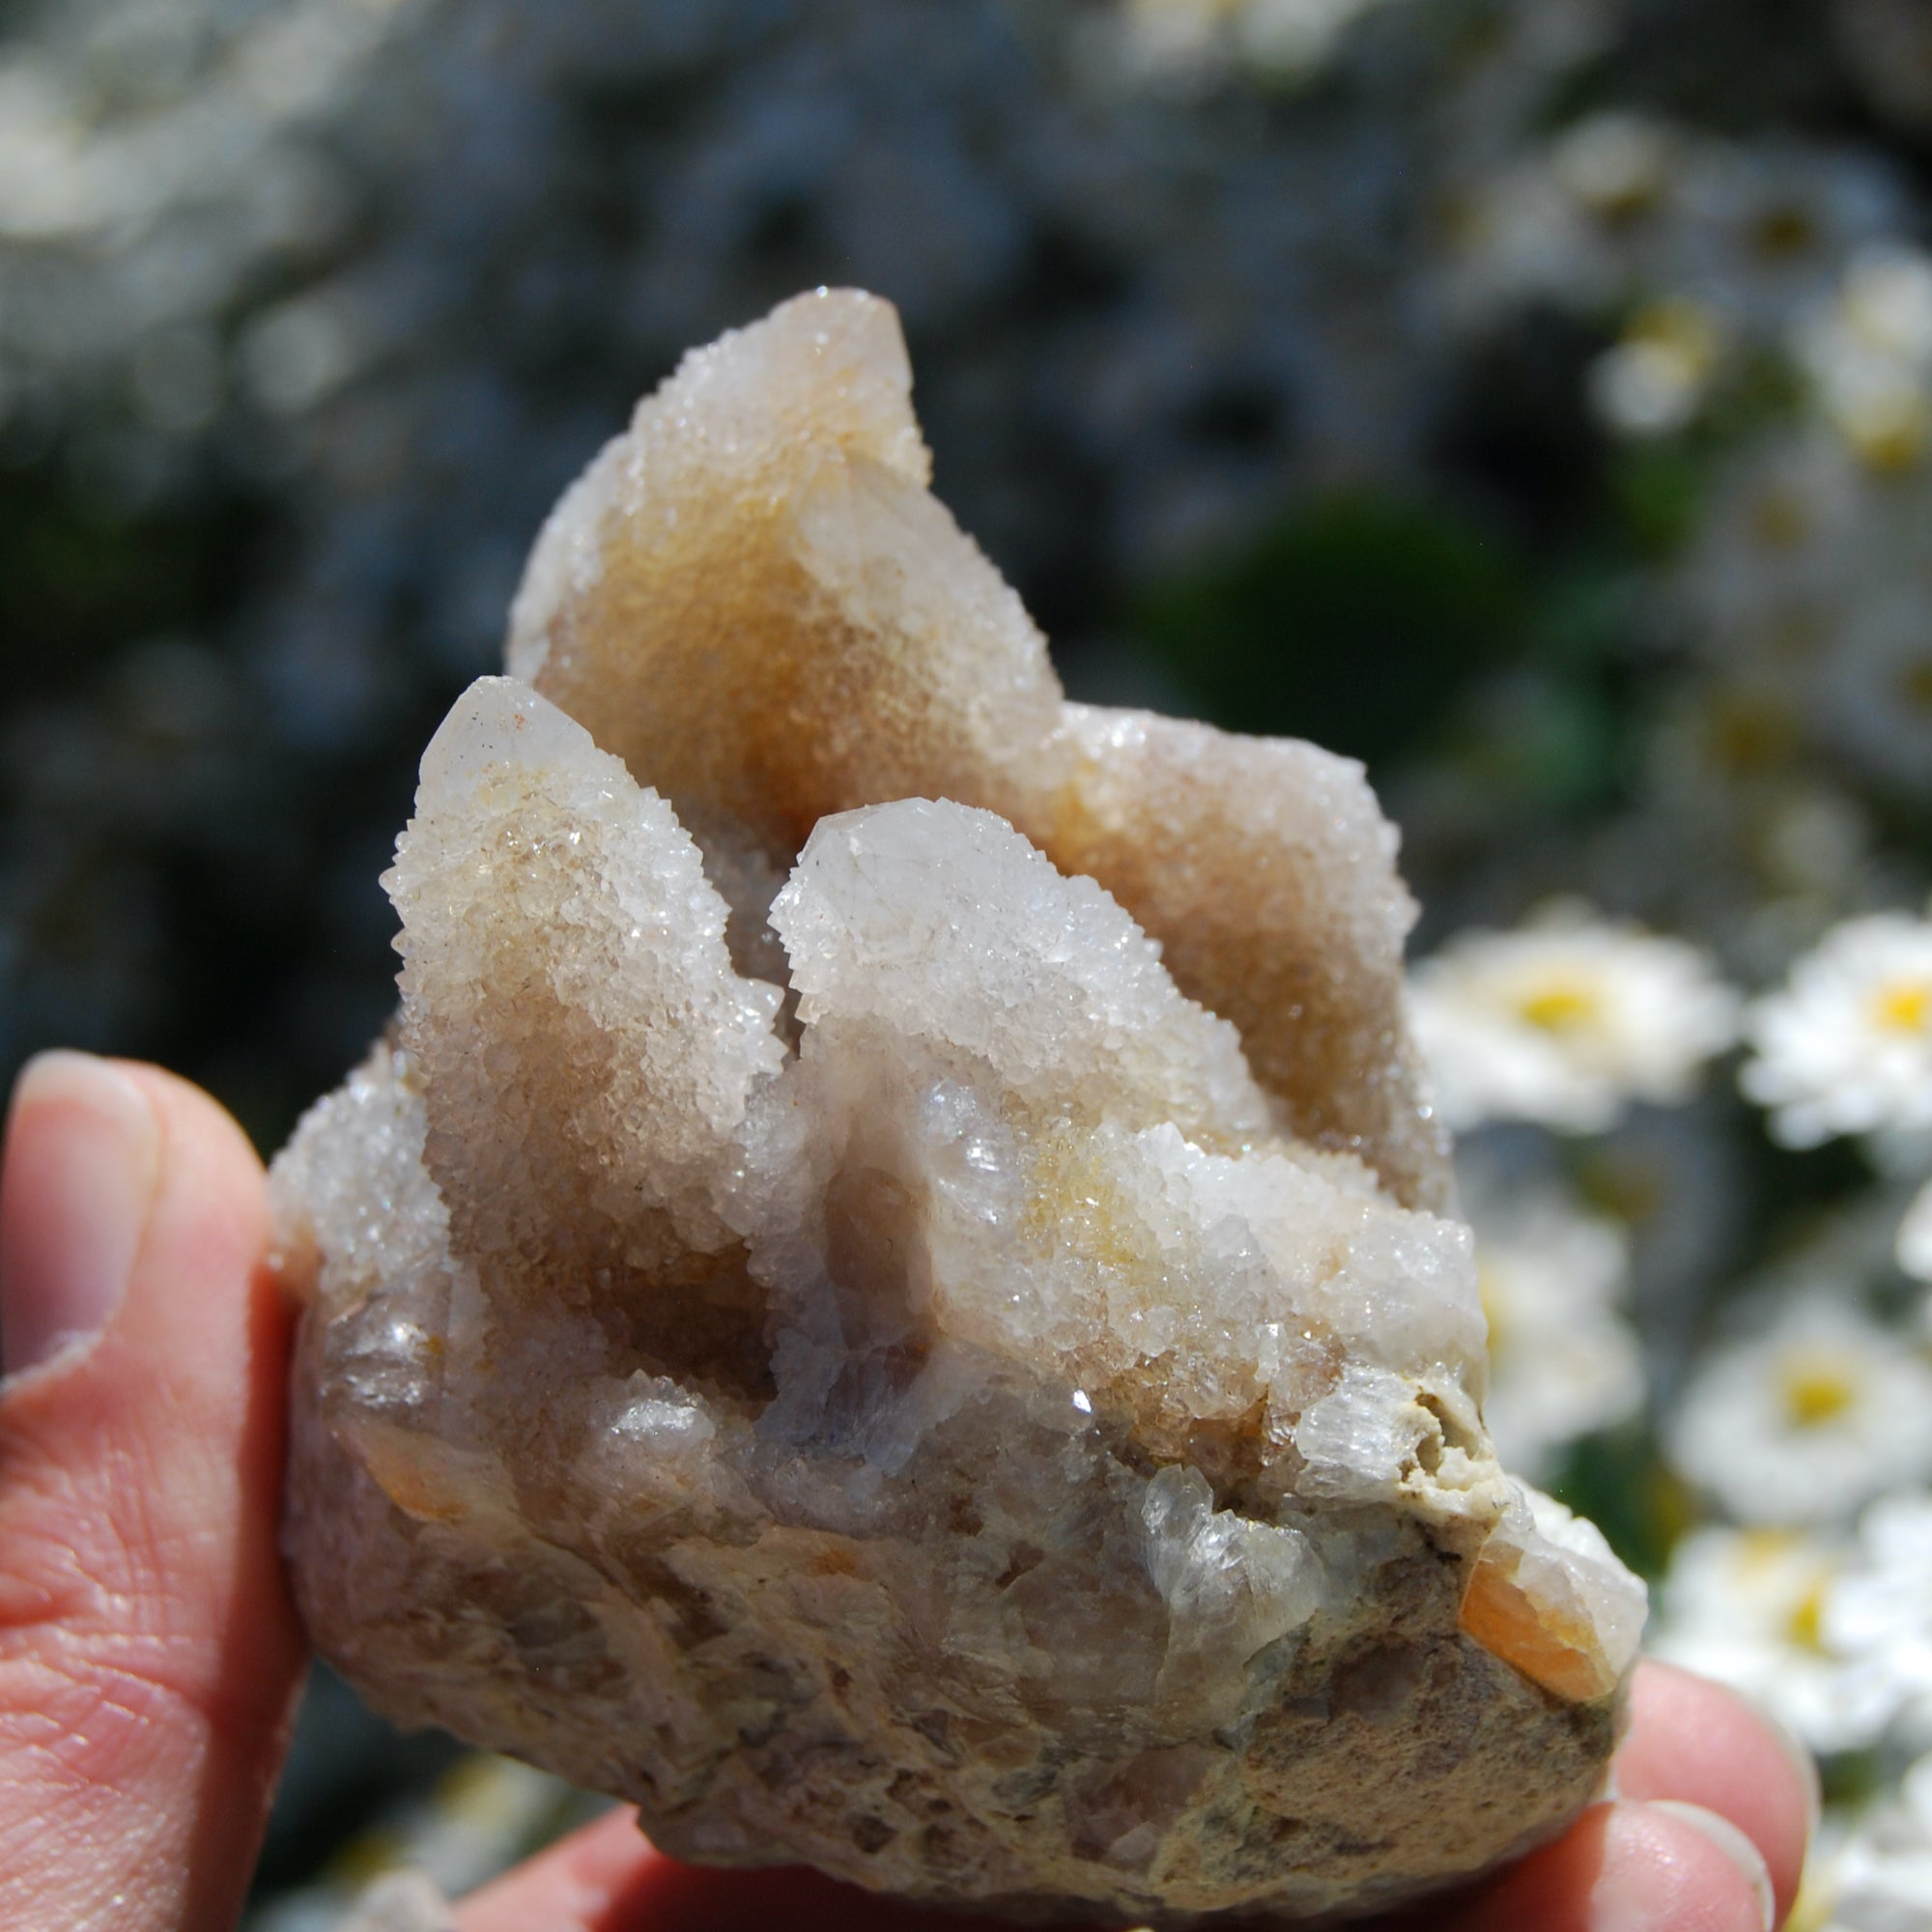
1357, 620
79, 576
1617, 1481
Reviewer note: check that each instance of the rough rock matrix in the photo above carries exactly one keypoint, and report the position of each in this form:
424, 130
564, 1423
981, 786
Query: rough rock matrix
890, 1294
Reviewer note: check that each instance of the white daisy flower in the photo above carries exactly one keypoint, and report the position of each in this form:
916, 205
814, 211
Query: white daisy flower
1563, 1362
1286, 39
1293, 38
1177, 35
1745, 1607
1566, 1020
1656, 378
1845, 1045
1778, 557
1881, 1880
1869, 354
1616, 164
1878, 1610
1808, 1420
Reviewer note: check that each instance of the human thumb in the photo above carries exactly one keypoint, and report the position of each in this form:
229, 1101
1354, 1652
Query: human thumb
149, 1655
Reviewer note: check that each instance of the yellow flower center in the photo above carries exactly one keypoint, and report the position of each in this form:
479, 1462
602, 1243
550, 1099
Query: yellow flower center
1782, 232
1903, 1007
1758, 1549
1805, 1625
1751, 732
1560, 1009
1816, 1391
1685, 334
1888, 429
1761, 1554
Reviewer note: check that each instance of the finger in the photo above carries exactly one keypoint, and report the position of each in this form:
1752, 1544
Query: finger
1628, 1867
148, 1654
1692, 1741
568, 1888
607, 1878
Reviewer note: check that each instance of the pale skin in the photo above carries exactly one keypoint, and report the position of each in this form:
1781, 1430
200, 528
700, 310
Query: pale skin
150, 1655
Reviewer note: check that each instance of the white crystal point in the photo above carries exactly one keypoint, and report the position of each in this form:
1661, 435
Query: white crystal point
928, 917
1098, 1183
882, 1298
1547, 1593
561, 943
1267, 871
753, 599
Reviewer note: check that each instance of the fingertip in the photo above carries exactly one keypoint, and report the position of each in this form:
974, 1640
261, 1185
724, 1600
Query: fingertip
191, 1366
179, 1099
1694, 1742
1742, 1852
1629, 1867
131, 1205
569, 1886
200, 1355
212, 1167
83, 1164
142, 1492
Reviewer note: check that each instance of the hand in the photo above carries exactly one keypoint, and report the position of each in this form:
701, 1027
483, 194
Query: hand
150, 1655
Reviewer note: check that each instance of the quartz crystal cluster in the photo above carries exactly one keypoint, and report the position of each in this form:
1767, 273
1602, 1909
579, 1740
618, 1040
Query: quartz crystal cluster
891, 1294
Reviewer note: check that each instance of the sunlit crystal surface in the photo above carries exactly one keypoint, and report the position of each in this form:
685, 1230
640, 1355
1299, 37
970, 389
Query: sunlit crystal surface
888, 1296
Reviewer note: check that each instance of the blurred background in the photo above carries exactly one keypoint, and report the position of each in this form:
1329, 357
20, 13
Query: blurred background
1532, 398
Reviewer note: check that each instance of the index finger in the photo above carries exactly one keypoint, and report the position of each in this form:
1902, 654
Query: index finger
1693, 1742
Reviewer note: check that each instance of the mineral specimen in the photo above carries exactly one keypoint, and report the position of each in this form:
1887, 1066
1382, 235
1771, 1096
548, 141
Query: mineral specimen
889, 1296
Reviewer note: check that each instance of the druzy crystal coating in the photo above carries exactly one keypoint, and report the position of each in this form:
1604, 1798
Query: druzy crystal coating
892, 1294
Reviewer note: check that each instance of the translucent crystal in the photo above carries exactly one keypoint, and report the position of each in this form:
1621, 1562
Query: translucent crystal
886, 1297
